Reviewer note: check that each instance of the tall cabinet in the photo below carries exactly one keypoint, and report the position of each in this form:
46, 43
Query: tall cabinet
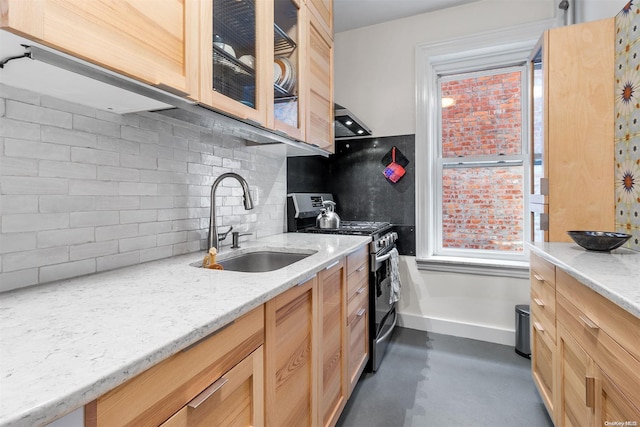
572, 153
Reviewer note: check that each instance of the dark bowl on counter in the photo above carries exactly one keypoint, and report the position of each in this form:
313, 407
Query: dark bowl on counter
600, 241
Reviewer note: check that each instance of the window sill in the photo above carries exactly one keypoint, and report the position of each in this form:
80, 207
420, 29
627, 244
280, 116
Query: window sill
485, 267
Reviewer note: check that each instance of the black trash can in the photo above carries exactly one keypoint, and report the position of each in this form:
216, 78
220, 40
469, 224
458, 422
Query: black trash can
523, 338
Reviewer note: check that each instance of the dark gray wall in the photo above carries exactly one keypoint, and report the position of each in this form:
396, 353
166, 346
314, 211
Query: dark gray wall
354, 176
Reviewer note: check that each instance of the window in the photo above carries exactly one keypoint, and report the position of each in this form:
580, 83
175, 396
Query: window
481, 164
471, 146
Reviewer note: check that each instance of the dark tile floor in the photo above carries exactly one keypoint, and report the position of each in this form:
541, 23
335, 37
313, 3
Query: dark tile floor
429, 379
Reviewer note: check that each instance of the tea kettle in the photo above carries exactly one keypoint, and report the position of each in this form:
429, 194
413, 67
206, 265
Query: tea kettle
328, 218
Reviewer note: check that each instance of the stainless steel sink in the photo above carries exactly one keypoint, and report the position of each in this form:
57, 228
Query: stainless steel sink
261, 261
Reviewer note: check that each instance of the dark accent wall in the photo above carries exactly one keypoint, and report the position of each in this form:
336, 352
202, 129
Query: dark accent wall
354, 175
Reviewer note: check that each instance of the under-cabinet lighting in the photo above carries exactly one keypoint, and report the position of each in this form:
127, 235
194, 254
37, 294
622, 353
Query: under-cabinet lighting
348, 123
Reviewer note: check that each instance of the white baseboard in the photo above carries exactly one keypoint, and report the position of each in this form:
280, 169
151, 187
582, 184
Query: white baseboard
458, 329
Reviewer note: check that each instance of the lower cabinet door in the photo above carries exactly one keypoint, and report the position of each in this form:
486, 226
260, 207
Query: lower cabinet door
358, 327
576, 388
542, 363
236, 399
289, 365
613, 407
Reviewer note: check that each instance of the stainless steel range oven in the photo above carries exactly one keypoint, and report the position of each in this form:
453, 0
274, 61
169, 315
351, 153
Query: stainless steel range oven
302, 210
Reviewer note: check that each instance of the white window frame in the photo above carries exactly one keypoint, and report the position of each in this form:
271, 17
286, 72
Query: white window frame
496, 49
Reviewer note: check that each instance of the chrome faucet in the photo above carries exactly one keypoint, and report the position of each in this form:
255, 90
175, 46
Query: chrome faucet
248, 204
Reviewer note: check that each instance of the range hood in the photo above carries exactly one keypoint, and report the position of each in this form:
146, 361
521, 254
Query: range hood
347, 125
50, 72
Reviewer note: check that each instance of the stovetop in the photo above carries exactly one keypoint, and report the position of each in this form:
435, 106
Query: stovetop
362, 228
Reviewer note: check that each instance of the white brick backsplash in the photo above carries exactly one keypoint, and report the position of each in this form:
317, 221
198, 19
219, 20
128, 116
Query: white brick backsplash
34, 258
154, 227
113, 232
116, 190
172, 238
109, 173
55, 169
117, 261
91, 125
139, 135
155, 253
36, 114
137, 243
93, 250
18, 129
57, 204
17, 242
108, 143
127, 217
94, 219
50, 273
15, 166
51, 238
109, 203
172, 165
93, 188
137, 189
18, 204
138, 162
18, 279
34, 222
93, 156
68, 137
156, 202
35, 150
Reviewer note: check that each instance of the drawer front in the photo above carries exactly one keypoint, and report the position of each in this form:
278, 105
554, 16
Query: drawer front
542, 364
617, 363
618, 323
543, 306
356, 259
357, 283
359, 302
153, 396
358, 343
544, 270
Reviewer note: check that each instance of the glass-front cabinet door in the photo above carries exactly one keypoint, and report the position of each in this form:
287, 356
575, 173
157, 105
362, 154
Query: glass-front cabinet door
287, 34
234, 42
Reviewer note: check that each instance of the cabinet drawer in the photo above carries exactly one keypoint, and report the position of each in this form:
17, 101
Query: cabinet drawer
357, 284
543, 306
357, 259
357, 304
616, 362
542, 270
156, 394
618, 323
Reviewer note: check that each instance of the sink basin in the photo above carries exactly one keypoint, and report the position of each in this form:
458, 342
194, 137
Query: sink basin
261, 261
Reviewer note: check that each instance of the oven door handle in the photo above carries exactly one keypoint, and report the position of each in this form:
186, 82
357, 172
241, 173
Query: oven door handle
383, 257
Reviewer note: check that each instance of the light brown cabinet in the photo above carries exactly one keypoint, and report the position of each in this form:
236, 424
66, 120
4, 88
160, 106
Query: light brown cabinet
319, 92
236, 399
289, 340
331, 352
590, 374
572, 127
357, 314
144, 40
194, 379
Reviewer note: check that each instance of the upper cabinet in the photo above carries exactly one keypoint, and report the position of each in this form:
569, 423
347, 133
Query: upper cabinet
319, 56
144, 40
572, 126
266, 62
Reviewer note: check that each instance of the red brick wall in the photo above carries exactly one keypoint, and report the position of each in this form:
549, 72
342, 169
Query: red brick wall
483, 206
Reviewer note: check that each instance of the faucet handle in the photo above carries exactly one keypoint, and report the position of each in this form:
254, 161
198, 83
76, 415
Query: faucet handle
223, 236
235, 238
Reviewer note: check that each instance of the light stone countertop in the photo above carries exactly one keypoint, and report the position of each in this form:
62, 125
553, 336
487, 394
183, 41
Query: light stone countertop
64, 344
615, 275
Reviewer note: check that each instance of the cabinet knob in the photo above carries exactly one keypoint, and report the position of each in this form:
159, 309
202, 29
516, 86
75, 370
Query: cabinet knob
539, 302
589, 323
538, 327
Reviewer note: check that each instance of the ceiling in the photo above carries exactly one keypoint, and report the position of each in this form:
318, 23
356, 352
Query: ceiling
352, 14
